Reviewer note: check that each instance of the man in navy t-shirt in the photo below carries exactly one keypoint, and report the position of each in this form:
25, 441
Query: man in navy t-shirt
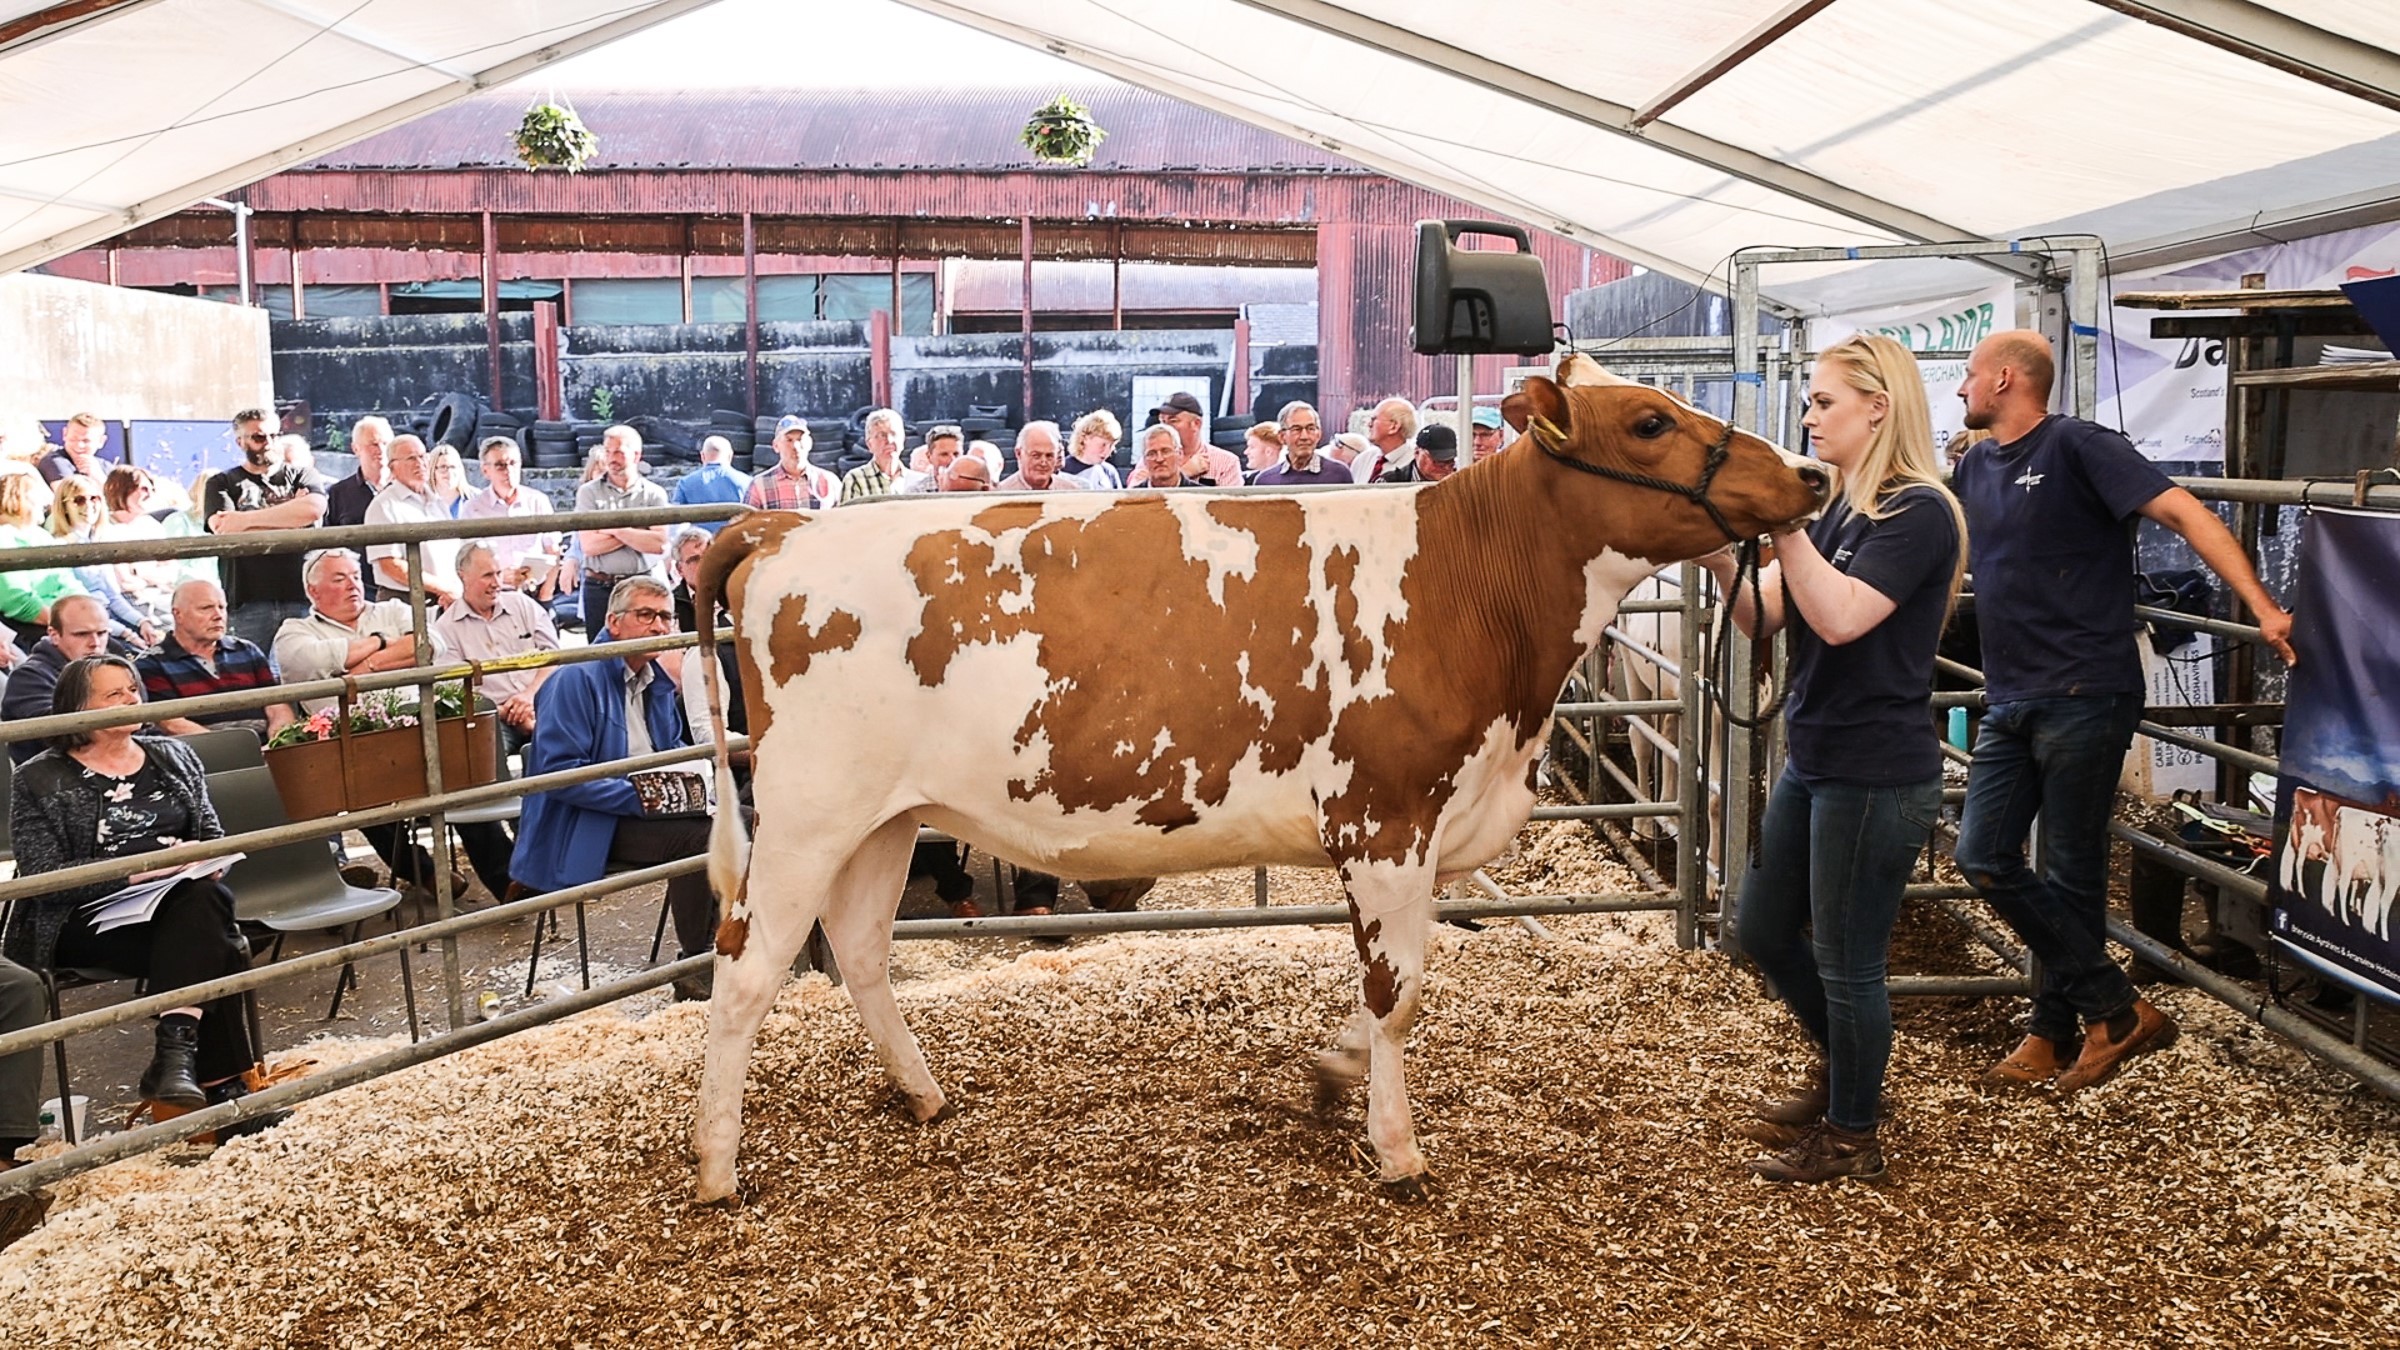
2048, 499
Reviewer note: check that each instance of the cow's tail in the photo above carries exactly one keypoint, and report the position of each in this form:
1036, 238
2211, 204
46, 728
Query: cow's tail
728, 837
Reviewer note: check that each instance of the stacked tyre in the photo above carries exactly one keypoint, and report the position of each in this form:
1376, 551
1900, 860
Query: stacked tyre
551, 445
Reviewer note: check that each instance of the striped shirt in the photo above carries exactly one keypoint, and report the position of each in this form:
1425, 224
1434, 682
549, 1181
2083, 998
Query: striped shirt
172, 672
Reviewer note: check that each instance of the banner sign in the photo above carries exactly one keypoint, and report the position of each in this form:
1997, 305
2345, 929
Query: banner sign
2337, 867
1953, 325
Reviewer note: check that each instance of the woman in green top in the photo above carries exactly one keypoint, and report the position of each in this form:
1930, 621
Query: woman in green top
26, 594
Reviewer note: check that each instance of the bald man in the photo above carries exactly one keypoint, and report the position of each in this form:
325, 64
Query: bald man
2048, 501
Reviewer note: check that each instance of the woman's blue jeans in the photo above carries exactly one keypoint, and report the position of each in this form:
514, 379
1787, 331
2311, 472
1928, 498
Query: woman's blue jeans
1816, 916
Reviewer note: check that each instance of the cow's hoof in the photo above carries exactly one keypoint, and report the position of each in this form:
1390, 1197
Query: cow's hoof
1327, 1097
916, 1110
1410, 1190
1334, 1072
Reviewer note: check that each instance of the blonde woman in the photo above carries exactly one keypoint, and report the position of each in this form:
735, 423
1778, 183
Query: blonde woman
1863, 593
76, 510
26, 593
1093, 445
447, 479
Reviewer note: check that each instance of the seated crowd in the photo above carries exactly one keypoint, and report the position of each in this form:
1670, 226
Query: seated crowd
118, 634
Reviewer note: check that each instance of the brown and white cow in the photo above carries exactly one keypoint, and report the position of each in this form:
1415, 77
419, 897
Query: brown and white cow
1104, 686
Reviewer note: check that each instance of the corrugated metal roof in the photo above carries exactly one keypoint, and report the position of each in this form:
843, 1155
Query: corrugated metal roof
857, 129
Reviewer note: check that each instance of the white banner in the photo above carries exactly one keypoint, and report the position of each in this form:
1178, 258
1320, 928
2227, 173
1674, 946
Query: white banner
1953, 325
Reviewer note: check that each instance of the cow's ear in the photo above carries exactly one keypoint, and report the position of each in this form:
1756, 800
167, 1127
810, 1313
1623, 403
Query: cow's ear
1539, 398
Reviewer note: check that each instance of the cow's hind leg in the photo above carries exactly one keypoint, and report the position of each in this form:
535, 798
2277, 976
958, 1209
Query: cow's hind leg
755, 950
1391, 909
858, 922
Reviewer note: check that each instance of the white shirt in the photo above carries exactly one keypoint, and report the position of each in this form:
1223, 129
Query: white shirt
314, 647
513, 550
399, 504
518, 624
637, 711
1059, 482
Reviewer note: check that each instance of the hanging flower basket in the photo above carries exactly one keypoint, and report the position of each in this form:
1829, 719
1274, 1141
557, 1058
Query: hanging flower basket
553, 137
1062, 132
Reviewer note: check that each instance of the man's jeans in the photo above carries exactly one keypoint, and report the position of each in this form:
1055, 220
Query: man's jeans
256, 620
1834, 858
2060, 758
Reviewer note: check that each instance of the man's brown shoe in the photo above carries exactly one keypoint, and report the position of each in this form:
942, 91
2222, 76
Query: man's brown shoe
966, 909
1803, 1108
1825, 1153
2103, 1055
2034, 1062
1774, 1136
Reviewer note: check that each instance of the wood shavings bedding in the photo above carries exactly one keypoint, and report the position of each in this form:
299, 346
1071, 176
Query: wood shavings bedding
1135, 1161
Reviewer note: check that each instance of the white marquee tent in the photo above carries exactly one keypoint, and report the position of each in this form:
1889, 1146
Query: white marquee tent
1670, 132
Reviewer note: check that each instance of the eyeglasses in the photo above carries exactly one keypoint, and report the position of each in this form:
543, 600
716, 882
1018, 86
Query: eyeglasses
645, 614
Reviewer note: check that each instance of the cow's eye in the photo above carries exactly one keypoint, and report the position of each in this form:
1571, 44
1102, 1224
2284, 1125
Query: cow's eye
1653, 425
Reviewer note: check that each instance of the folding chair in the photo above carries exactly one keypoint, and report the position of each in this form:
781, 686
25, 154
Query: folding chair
71, 978
294, 888
226, 748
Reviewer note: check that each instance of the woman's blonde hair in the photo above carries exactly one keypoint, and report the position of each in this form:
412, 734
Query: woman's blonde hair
1100, 421
68, 487
16, 499
1899, 453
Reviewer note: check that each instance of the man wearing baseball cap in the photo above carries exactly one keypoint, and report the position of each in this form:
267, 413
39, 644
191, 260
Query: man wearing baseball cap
716, 480
1201, 461
792, 484
1488, 439
1437, 455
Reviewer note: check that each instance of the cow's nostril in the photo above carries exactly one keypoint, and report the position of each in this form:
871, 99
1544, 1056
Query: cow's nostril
1815, 476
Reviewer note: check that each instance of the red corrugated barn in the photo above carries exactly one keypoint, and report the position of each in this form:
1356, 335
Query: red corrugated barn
863, 193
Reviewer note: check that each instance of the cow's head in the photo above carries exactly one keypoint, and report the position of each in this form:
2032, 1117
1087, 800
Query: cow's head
1673, 481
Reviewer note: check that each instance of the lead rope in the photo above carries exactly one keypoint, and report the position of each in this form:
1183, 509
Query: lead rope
1745, 568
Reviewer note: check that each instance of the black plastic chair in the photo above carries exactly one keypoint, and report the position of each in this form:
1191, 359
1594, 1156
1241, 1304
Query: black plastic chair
227, 748
295, 887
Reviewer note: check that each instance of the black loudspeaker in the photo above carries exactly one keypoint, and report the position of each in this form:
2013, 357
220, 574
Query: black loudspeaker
1470, 303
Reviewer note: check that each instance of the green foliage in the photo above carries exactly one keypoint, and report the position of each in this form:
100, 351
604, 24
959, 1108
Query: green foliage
1062, 132
552, 137
604, 405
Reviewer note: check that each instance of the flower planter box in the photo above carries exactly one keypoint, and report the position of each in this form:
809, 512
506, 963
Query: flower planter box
376, 768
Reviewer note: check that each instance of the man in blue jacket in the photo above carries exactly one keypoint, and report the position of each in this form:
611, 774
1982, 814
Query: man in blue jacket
584, 715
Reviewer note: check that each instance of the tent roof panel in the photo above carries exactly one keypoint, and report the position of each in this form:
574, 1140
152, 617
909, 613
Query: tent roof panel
1870, 121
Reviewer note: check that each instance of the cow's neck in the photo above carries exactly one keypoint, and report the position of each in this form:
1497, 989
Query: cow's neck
1532, 586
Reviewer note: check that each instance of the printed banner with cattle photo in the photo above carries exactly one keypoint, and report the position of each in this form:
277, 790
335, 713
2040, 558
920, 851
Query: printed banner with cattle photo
2339, 865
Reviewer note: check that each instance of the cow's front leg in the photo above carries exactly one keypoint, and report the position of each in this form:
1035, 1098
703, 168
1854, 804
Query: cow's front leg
1391, 907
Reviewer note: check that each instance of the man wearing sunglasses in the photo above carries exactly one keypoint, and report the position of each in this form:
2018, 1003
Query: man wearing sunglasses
261, 493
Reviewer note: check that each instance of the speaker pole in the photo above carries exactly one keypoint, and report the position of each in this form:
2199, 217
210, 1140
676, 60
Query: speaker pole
1466, 411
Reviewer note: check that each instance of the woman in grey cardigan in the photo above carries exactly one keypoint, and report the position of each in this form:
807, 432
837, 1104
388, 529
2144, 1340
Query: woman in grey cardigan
105, 794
